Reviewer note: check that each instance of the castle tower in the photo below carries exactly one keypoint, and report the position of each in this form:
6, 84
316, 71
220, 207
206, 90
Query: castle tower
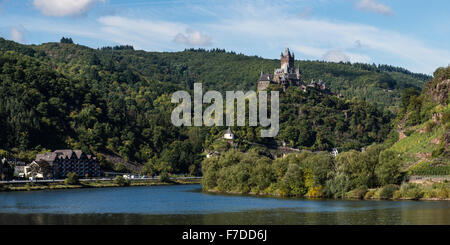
285, 76
297, 73
287, 61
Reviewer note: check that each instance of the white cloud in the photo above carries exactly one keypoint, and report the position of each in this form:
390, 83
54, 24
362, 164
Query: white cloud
308, 50
64, 7
146, 34
335, 56
374, 6
193, 38
16, 35
246, 27
357, 57
251, 29
315, 37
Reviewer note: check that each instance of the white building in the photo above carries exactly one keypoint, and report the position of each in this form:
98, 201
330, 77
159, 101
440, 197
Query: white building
228, 134
334, 152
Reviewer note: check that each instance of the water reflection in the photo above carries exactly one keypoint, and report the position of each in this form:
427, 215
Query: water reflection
182, 205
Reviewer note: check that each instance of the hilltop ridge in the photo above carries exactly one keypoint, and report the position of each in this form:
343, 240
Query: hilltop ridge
221, 70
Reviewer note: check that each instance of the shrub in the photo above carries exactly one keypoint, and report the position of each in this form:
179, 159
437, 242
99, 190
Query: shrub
442, 190
315, 192
443, 193
357, 193
411, 191
387, 191
376, 194
446, 116
72, 179
3, 187
397, 194
121, 181
438, 151
430, 193
370, 194
164, 177
409, 132
429, 126
414, 193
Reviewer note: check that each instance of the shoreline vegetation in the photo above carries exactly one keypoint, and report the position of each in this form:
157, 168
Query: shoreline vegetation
93, 184
372, 174
406, 191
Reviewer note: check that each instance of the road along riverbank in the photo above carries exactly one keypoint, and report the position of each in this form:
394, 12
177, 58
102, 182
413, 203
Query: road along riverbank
91, 183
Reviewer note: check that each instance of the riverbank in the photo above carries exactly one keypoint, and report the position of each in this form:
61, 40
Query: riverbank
406, 191
93, 184
324, 198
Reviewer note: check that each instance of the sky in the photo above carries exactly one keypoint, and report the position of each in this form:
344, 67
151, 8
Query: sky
413, 34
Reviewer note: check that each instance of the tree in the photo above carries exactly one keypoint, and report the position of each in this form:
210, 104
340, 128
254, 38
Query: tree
45, 168
121, 181
293, 182
388, 170
338, 186
34, 170
149, 168
120, 168
164, 177
407, 94
72, 179
66, 40
262, 174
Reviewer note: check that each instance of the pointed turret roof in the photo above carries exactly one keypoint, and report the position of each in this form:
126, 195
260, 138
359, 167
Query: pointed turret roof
286, 52
229, 131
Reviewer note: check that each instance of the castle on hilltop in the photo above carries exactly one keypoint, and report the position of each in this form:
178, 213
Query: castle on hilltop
286, 76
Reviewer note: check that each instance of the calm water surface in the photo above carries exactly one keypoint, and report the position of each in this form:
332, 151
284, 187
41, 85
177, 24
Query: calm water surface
186, 204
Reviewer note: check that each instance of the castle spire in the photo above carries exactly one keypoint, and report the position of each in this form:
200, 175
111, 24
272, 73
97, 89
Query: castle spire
287, 52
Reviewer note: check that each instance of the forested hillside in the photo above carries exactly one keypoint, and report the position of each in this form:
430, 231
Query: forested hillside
217, 69
116, 100
417, 145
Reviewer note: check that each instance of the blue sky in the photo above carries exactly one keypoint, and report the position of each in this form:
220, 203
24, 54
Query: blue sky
414, 34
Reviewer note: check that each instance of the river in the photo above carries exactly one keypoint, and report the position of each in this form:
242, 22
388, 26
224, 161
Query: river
186, 204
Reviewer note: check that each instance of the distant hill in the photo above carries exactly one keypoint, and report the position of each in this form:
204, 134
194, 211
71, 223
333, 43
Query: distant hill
221, 70
117, 100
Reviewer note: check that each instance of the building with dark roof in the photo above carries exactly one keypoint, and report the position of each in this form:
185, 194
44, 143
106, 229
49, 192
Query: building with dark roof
66, 161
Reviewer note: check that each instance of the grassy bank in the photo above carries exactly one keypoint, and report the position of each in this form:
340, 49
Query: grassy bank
93, 184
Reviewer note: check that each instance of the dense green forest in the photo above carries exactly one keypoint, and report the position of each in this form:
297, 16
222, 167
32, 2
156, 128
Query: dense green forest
116, 100
316, 121
220, 70
419, 144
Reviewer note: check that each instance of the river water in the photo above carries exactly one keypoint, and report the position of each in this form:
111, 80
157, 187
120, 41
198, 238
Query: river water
186, 204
